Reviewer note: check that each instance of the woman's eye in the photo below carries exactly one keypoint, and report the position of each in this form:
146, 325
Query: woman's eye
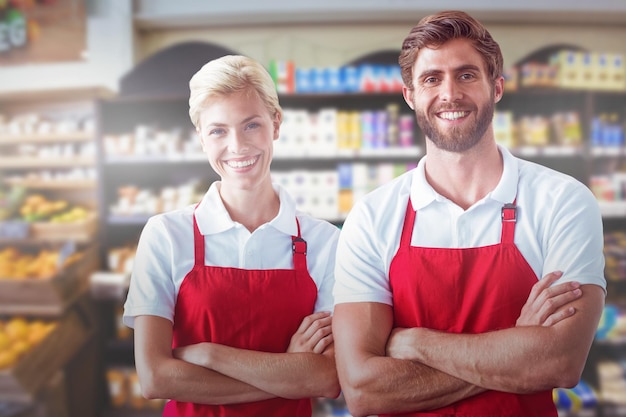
252, 125
216, 132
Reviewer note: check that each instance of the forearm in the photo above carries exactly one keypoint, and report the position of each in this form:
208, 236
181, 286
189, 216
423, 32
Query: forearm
287, 375
373, 382
170, 378
387, 385
163, 376
521, 359
515, 360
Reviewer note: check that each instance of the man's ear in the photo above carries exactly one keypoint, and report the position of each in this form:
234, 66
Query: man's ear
407, 93
498, 89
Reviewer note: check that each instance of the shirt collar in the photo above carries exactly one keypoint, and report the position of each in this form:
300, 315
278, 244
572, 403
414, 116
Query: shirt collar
422, 194
506, 190
213, 218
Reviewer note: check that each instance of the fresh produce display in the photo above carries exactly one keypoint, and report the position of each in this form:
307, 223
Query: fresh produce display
17, 265
37, 207
18, 336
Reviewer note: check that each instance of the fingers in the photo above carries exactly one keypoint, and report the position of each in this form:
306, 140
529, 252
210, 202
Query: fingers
547, 303
544, 283
313, 335
312, 318
324, 343
552, 310
558, 316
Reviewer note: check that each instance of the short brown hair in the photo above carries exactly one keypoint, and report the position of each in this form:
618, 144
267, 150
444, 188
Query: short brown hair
441, 27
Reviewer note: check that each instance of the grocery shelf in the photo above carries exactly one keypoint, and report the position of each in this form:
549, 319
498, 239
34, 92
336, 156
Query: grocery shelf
22, 162
52, 184
17, 139
612, 209
392, 152
608, 151
154, 159
128, 220
555, 151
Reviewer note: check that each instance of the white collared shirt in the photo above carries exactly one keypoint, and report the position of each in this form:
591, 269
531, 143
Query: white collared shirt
559, 227
165, 252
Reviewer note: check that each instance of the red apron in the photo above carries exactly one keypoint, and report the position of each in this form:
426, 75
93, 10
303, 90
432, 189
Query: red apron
466, 290
249, 309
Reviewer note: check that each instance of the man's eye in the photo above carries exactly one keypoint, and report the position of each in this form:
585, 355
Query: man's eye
467, 76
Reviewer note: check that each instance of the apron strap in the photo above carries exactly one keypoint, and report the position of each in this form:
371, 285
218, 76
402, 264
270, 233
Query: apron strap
198, 241
407, 228
509, 218
299, 247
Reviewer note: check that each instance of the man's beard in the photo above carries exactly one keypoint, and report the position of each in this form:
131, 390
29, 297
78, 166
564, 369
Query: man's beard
457, 139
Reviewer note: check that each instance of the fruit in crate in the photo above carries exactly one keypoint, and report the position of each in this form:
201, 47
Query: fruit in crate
16, 265
37, 207
18, 336
74, 214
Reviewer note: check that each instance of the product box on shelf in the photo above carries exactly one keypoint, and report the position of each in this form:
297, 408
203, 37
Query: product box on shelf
23, 381
536, 74
49, 295
601, 71
570, 68
609, 72
617, 72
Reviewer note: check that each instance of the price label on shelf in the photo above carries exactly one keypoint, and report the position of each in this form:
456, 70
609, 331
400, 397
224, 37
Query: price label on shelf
65, 252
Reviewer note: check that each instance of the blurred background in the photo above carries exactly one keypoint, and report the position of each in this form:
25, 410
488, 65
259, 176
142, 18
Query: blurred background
95, 138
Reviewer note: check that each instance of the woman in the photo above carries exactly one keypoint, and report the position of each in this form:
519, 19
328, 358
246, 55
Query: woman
230, 299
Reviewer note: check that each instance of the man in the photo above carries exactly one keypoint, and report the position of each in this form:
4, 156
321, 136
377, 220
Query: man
439, 305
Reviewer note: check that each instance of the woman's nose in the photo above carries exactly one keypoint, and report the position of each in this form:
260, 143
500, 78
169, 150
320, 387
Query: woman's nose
237, 143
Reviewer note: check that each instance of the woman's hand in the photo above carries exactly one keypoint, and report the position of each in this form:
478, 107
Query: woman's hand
198, 354
314, 334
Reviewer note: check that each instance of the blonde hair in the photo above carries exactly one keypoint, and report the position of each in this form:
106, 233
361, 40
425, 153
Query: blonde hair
227, 75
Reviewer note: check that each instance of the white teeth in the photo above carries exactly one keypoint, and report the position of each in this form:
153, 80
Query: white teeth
241, 164
453, 115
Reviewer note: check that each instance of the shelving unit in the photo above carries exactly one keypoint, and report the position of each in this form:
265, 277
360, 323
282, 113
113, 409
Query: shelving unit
43, 138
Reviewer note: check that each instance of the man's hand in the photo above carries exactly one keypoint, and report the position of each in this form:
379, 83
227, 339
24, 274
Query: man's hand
547, 305
314, 334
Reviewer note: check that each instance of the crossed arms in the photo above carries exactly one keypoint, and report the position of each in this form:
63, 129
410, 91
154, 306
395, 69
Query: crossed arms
385, 370
208, 373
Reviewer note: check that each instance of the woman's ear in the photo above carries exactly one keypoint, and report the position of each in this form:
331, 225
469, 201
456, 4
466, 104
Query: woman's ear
277, 121
200, 138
